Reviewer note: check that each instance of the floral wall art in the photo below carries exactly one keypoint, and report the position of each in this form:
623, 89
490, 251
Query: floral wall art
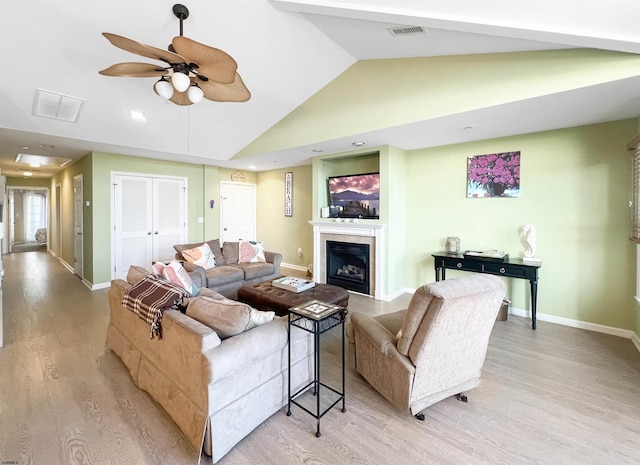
494, 175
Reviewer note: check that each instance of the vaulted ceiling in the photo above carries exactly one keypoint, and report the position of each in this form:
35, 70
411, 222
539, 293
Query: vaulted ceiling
287, 53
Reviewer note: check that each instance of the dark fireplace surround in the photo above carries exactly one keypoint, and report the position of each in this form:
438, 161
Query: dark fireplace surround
347, 266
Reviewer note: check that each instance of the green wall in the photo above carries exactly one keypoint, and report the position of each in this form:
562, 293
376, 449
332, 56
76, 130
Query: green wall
28, 182
281, 233
103, 165
574, 190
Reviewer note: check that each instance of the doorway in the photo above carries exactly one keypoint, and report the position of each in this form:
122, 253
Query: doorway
238, 212
78, 226
28, 218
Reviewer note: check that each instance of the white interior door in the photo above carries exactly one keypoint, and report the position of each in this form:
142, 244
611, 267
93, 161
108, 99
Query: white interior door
78, 226
238, 212
169, 218
149, 219
132, 229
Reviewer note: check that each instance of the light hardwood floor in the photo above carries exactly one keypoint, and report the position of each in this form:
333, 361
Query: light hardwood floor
556, 395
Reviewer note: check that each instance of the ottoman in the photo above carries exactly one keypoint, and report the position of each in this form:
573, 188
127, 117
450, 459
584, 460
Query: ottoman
264, 296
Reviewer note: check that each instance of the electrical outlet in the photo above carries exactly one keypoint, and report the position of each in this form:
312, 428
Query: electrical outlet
299, 251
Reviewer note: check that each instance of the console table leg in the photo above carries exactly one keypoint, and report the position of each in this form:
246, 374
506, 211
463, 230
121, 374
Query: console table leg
534, 302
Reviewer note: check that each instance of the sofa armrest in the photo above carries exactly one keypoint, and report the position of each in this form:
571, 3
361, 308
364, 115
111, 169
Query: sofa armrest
240, 352
275, 258
197, 273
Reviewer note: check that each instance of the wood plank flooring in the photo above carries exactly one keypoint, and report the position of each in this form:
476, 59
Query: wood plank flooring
556, 395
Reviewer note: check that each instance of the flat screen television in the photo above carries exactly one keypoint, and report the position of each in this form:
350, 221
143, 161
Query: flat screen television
355, 196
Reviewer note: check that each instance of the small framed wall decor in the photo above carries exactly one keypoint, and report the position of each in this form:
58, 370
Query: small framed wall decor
288, 193
494, 175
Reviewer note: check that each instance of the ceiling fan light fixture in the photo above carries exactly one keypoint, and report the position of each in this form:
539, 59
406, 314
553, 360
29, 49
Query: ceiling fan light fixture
180, 81
195, 93
164, 88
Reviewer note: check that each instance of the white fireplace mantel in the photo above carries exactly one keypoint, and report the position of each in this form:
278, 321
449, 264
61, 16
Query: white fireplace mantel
363, 230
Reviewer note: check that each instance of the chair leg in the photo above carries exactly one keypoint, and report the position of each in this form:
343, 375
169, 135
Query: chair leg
419, 416
461, 397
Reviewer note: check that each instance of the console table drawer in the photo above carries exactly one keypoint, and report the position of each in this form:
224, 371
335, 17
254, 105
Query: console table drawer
457, 264
506, 270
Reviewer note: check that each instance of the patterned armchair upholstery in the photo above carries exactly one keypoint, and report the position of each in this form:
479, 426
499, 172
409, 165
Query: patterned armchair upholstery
434, 349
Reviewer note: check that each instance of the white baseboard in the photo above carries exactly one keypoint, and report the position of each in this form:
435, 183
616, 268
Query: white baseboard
66, 265
628, 334
95, 287
395, 295
294, 267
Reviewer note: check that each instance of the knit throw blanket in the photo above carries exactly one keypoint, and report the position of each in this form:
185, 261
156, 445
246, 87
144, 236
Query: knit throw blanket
152, 296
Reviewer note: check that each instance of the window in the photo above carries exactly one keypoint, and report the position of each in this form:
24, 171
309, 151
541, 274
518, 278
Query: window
634, 201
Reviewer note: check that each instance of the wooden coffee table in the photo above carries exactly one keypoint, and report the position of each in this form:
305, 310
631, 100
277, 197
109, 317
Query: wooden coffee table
264, 296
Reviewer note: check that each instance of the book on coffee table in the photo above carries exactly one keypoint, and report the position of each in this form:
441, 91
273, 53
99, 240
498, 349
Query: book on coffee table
293, 284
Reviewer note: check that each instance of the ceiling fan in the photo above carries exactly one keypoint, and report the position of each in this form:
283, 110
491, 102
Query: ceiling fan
195, 71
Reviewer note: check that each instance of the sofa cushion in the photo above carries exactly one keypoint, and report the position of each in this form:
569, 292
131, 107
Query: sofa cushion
255, 270
231, 252
214, 245
225, 316
249, 251
201, 256
136, 274
224, 275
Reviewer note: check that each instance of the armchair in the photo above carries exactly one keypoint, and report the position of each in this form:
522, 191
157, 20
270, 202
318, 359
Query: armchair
434, 349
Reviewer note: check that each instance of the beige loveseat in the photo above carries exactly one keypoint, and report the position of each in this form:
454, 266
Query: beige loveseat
229, 275
217, 391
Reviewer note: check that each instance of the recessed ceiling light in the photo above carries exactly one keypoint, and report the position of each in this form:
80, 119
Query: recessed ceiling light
317, 150
467, 128
252, 167
358, 143
24, 147
28, 173
137, 115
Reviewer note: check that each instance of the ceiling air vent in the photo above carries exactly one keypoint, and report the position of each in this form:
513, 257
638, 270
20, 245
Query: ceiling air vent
48, 104
405, 30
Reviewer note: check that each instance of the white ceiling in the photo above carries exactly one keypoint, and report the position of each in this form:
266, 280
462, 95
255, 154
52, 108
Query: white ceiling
286, 52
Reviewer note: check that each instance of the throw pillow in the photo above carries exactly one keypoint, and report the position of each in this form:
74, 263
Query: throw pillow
201, 256
259, 317
136, 274
176, 273
225, 316
250, 251
158, 268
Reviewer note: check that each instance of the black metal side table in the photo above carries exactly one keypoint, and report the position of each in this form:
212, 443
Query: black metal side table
317, 318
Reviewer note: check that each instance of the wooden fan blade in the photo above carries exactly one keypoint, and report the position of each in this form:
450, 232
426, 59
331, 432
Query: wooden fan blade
134, 70
143, 49
218, 92
213, 63
180, 98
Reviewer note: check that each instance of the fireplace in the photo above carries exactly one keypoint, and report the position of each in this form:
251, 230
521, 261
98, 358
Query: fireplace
348, 266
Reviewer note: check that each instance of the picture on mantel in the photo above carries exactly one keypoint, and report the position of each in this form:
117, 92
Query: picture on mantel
493, 175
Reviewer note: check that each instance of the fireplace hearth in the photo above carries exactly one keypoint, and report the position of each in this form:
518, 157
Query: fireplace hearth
347, 265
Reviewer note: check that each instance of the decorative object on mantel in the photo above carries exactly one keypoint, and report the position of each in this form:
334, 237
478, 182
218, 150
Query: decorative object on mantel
494, 175
238, 176
529, 234
453, 244
288, 193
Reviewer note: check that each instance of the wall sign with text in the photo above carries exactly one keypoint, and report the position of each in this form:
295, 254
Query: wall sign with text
288, 193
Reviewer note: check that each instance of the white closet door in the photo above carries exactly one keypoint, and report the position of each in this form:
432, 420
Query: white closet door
168, 217
238, 212
133, 237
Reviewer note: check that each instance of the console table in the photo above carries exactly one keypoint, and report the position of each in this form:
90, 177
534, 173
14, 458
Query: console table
510, 268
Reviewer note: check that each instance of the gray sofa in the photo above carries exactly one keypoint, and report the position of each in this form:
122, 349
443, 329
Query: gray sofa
229, 275
216, 390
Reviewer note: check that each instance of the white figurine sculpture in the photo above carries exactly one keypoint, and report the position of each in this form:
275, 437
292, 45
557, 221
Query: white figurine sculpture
529, 233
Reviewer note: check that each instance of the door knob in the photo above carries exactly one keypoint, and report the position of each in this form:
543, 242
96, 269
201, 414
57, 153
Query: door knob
155, 232
149, 233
